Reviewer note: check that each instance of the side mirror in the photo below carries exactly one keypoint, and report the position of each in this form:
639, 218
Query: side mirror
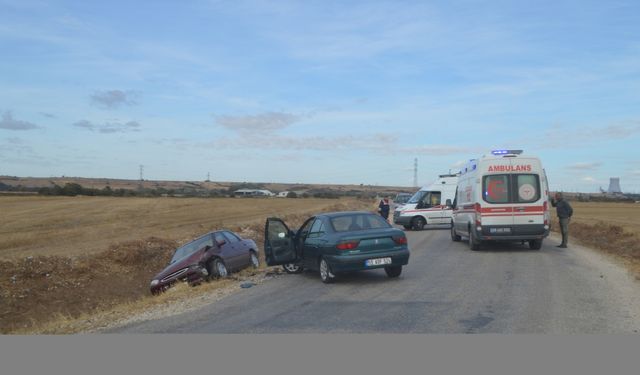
448, 203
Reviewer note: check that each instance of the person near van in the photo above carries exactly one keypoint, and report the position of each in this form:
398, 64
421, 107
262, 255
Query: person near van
564, 211
384, 207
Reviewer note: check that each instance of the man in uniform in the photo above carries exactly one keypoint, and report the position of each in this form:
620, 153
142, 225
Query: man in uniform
564, 211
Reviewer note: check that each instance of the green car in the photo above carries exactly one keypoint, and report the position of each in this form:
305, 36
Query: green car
336, 242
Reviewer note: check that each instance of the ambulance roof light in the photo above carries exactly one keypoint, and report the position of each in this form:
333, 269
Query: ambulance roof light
506, 152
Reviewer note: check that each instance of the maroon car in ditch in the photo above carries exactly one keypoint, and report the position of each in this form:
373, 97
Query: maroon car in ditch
215, 254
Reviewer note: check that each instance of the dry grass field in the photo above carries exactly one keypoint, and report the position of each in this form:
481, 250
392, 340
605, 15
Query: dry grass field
70, 226
624, 215
62, 258
610, 227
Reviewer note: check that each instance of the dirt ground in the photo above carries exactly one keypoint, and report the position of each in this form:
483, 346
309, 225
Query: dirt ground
613, 228
43, 287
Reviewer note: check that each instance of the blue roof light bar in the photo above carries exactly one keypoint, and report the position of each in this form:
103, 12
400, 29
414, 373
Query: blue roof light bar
506, 152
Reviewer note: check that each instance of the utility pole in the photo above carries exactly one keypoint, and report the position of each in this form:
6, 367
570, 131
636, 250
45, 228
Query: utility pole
415, 172
141, 175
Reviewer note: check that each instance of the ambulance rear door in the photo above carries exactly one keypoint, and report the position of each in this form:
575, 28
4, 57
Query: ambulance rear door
528, 192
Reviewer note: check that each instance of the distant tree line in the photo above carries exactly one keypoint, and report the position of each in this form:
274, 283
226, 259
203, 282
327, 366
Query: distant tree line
74, 189
192, 190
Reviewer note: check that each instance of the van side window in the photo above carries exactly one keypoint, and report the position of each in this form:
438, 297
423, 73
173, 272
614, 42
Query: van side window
430, 199
435, 199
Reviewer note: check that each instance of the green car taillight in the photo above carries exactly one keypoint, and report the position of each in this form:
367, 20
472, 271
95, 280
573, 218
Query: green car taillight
347, 245
400, 240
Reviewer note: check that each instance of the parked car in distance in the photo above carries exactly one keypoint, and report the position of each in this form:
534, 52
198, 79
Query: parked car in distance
337, 242
215, 254
400, 200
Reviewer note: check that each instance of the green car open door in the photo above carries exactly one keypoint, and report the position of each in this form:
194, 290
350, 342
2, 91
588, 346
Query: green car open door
279, 245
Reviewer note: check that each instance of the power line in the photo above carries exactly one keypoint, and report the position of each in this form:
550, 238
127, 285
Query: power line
415, 172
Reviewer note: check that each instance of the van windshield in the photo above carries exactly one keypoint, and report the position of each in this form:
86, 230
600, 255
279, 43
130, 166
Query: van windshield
417, 196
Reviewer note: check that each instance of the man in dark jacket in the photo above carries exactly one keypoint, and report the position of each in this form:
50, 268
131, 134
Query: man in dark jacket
564, 211
384, 207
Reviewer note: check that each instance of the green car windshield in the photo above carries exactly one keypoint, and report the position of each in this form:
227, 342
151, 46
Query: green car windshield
356, 222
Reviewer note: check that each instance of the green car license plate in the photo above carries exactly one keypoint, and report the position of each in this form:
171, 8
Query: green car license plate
377, 262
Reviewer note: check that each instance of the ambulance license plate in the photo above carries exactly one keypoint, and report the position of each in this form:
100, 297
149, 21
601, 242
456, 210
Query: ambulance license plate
500, 230
377, 262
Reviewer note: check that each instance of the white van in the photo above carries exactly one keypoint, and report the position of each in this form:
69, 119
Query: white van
502, 197
430, 205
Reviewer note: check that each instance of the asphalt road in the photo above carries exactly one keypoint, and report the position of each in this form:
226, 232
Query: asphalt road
446, 288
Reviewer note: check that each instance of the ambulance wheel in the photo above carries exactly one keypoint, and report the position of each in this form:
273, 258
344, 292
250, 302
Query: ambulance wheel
455, 237
473, 243
535, 244
418, 223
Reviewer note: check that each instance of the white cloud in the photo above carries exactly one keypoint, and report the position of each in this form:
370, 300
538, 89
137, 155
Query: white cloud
439, 150
112, 99
8, 122
109, 127
594, 133
375, 142
585, 166
268, 121
15, 147
459, 164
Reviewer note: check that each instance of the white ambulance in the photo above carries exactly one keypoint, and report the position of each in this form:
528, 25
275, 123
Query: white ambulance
430, 205
502, 197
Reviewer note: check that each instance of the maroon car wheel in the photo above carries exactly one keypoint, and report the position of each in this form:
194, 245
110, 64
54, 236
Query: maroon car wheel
255, 261
220, 269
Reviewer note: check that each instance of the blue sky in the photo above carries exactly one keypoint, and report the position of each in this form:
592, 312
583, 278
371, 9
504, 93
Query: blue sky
319, 91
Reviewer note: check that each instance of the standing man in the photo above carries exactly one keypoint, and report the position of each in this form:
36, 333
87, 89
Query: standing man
564, 211
383, 208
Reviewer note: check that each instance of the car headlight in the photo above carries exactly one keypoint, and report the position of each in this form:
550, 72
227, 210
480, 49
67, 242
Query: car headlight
155, 282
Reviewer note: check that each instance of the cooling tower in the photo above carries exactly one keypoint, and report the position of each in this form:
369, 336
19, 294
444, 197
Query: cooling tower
614, 185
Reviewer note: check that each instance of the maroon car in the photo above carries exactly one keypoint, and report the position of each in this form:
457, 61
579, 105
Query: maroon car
215, 254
